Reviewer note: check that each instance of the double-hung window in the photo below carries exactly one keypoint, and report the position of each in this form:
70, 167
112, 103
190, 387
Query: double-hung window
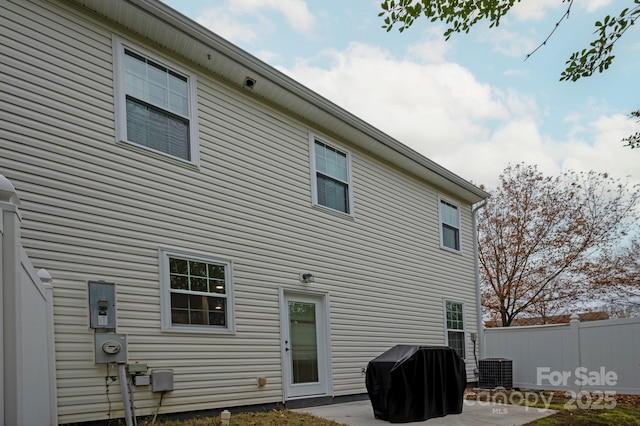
449, 225
331, 177
455, 326
155, 104
197, 292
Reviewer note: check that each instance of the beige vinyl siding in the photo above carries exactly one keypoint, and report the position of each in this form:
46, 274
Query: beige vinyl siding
97, 209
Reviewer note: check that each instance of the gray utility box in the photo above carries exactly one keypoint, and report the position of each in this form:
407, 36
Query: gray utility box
102, 305
161, 380
110, 347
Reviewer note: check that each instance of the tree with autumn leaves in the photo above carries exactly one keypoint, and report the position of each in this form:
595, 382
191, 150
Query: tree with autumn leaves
546, 243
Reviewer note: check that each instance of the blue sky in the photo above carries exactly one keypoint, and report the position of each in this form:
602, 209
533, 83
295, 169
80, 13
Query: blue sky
472, 103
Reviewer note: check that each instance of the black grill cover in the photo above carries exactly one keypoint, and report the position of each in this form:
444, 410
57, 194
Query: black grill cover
411, 383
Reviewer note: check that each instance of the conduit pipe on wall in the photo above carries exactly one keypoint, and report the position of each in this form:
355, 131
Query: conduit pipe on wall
125, 394
474, 219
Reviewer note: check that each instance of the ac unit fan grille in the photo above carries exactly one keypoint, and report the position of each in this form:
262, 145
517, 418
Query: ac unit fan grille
495, 372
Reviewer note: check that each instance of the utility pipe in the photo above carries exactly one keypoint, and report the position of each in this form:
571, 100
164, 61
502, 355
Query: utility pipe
125, 394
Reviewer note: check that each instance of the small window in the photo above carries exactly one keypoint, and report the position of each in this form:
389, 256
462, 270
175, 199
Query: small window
455, 327
197, 293
331, 177
155, 104
450, 225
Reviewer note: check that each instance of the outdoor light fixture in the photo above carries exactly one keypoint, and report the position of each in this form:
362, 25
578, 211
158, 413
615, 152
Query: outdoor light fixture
306, 277
249, 82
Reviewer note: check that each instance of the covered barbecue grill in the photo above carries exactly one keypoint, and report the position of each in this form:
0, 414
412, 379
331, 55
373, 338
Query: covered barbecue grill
410, 383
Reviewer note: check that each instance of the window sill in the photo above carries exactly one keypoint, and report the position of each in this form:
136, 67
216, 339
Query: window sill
158, 155
197, 330
336, 213
450, 250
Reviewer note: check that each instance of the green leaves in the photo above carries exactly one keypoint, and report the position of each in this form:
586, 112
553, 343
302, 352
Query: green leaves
633, 141
459, 15
599, 57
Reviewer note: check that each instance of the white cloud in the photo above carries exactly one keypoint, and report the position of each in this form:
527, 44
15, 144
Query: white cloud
572, 118
605, 152
244, 21
594, 5
295, 11
398, 95
534, 10
444, 112
515, 72
508, 43
221, 21
434, 48
267, 56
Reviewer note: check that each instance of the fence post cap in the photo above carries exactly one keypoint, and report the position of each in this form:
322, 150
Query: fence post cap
7, 191
575, 317
44, 276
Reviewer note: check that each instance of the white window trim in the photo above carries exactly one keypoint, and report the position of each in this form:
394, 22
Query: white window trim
314, 182
120, 97
453, 203
165, 294
464, 324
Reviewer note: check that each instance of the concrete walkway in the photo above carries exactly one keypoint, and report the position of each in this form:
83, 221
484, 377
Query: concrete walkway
360, 413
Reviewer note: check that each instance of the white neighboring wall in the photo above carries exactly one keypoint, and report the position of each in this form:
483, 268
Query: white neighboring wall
590, 356
27, 356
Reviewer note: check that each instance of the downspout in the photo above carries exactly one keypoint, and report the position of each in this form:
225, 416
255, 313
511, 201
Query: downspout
476, 261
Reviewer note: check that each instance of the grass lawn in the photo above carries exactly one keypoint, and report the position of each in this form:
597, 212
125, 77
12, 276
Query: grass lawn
267, 418
588, 410
592, 411
582, 410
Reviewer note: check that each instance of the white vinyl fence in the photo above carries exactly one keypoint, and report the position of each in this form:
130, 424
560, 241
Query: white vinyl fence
579, 356
27, 373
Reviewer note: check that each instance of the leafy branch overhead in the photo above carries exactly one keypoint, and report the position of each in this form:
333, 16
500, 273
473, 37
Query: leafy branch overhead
600, 55
633, 141
460, 15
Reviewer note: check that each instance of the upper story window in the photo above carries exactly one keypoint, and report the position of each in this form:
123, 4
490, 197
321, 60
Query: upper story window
455, 326
155, 104
331, 177
196, 293
449, 225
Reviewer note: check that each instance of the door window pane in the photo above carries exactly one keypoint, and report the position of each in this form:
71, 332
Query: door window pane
303, 342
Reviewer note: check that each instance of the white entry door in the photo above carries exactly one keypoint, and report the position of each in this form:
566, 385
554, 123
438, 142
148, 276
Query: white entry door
305, 345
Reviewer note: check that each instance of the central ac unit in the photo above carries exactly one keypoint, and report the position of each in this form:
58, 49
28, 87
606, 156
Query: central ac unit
495, 372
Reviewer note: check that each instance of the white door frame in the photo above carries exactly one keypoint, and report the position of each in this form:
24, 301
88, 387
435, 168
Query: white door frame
325, 385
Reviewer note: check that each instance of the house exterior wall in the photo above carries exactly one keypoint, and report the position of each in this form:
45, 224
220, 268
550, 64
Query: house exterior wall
96, 208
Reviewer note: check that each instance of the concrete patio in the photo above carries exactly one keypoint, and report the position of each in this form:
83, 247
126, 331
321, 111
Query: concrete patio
360, 413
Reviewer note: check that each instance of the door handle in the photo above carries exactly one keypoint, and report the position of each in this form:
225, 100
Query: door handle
286, 349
